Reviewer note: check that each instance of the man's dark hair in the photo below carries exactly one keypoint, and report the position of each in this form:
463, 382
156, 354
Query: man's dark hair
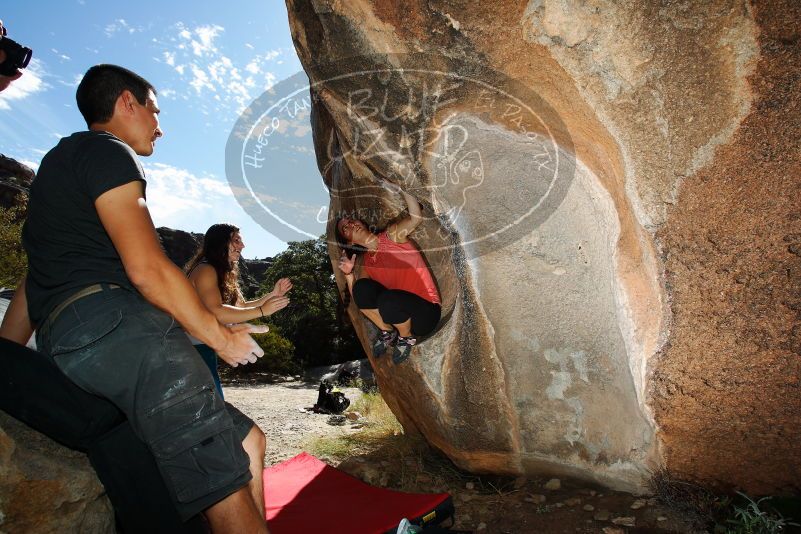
102, 85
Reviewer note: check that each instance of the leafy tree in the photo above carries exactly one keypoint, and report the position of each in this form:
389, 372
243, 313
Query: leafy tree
278, 356
314, 321
13, 261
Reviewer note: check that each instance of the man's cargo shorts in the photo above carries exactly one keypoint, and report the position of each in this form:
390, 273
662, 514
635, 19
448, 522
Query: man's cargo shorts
116, 345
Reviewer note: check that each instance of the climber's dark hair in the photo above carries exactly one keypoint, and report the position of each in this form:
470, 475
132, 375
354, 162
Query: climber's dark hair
350, 249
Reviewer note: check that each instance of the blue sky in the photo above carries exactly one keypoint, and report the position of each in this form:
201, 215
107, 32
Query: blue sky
208, 61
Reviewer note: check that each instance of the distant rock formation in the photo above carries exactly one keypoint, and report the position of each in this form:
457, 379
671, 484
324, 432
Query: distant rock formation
638, 311
15, 180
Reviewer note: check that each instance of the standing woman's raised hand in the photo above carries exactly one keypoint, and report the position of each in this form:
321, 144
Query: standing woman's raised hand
273, 304
282, 287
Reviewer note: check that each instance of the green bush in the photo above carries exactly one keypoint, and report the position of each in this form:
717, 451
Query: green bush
756, 518
13, 261
278, 356
314, 321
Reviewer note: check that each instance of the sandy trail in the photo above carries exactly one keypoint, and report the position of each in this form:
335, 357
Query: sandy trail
278, 410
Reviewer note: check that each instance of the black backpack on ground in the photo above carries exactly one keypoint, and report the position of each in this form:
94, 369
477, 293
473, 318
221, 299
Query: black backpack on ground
330, 399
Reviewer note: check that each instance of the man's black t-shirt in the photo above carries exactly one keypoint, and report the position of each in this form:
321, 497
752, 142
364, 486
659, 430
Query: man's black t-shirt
68, 248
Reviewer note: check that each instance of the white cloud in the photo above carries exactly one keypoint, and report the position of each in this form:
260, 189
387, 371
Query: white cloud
114, 27
31, 82
120, 25
63, 57
179, 198
76, 79
201, 39
271, 54
175, 194
32, 164
200, 79
197, 57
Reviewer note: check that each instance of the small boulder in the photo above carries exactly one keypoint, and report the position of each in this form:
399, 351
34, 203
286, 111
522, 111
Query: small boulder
626, 521
553, 484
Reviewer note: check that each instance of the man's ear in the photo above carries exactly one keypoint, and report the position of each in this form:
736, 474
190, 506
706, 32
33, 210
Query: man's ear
125, 102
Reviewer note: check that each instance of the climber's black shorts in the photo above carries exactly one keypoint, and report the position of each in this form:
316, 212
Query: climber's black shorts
397, 306
115, 345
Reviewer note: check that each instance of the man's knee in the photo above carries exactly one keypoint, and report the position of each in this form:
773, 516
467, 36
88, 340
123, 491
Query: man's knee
255, 441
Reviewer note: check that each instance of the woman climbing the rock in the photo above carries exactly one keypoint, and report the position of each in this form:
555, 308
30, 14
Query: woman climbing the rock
214, 272
393, 286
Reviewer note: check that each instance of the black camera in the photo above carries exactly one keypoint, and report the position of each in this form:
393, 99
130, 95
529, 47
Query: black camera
17, 56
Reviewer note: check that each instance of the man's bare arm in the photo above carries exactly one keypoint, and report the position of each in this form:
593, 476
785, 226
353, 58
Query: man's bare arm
16, 323
125, 217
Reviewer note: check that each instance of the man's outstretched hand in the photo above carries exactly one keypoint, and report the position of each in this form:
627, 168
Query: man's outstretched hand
241, 349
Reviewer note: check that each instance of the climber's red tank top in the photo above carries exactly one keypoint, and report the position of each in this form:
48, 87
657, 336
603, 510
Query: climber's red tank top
400, 266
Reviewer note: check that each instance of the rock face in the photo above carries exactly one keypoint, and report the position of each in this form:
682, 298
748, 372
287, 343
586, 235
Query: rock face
45, 487
179, 246
611, 199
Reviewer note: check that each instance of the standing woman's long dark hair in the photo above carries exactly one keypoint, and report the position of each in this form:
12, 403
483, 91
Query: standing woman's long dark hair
214, 251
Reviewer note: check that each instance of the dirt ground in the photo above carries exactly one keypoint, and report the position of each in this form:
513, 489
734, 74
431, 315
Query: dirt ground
483, 504
279, 410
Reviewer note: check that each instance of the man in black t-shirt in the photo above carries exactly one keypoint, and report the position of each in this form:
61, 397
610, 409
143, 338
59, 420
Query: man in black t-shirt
98, 288
35, 391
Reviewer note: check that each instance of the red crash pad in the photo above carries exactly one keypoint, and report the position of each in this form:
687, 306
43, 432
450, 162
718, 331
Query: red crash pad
304, 494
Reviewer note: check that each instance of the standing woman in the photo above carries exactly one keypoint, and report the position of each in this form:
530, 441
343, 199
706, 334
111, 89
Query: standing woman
393, 286
214, 272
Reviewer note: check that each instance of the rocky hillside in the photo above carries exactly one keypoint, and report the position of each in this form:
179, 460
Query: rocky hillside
15, 179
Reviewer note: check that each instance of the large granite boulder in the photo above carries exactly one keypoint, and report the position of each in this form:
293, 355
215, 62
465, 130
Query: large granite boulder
611, 198
46, 488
